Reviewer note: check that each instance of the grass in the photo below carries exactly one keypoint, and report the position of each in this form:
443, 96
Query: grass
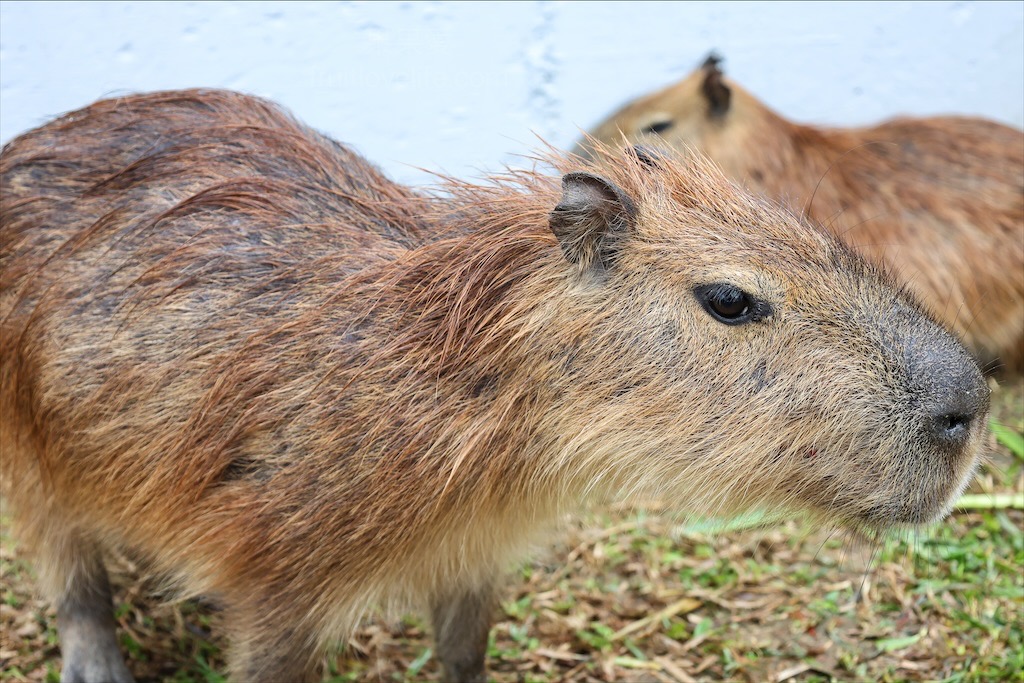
632, 596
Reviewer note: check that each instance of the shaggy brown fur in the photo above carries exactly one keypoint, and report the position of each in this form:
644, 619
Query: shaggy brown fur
938, 200
229, 344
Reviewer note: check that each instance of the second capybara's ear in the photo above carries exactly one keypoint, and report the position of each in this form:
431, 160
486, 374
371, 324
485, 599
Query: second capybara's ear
649, 157
592, 219
714, 89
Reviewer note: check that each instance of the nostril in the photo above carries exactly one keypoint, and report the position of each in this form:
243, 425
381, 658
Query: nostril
953, 427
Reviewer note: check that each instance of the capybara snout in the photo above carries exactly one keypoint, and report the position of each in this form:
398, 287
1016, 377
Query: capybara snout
935, 402
231, 345
954, 395
948, 396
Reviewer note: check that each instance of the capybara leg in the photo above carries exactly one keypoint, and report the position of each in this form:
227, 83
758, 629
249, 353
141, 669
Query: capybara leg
85, 614
274, 654
462, 621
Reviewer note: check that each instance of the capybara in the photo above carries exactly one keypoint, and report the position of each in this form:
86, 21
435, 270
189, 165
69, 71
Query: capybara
232, 347
939, 201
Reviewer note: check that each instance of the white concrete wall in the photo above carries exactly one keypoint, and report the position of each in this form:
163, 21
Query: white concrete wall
463, 87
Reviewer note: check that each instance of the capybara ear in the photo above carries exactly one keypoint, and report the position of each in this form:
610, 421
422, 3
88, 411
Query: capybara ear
712, 61
716, 92
649, 157
593, 216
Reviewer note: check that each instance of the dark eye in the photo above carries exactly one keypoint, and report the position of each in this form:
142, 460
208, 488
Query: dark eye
731, 305
657, 127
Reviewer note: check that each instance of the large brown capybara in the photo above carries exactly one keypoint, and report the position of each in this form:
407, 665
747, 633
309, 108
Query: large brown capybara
939, 201
232, 347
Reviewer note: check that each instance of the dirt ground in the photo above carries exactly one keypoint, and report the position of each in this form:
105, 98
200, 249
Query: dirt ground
633, 595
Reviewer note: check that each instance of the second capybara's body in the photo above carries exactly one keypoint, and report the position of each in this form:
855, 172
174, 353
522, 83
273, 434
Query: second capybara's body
232, 346
939, 201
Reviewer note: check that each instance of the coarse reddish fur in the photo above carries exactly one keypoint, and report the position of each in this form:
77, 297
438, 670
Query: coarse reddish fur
231, 345
938, 200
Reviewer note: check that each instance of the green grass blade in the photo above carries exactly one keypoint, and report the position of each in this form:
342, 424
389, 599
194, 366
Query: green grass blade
893, 644
1010, 438
419, 662
750, 520
991, 501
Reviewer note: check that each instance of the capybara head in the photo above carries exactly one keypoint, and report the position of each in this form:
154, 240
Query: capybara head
706, 112
752, 358
692, 113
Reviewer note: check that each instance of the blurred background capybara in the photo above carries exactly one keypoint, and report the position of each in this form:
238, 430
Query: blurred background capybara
938, 200
232, 346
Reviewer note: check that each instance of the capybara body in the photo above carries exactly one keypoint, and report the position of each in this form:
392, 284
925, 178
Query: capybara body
939, 201
233, 347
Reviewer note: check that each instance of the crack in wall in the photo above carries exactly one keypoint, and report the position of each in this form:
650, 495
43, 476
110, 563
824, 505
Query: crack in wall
542, 65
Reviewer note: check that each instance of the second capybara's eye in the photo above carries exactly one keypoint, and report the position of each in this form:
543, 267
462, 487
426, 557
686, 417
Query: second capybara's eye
731, 305
658, 127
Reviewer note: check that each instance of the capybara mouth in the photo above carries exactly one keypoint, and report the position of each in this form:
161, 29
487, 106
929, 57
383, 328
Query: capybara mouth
852, 489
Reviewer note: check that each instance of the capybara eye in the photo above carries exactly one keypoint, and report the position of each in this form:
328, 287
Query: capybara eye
730, 305
657, 127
